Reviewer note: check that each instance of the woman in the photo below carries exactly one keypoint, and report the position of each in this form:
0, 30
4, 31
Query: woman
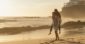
56, 17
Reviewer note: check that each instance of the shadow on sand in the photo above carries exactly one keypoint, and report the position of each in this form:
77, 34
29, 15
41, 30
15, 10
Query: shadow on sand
62, 41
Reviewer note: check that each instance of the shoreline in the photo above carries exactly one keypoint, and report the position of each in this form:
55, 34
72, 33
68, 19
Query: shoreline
17, 30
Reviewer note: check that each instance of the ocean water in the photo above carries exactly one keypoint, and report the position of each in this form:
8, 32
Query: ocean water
20, 22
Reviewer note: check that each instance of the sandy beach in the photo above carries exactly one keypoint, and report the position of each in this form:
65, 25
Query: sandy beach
44, 38
49, 41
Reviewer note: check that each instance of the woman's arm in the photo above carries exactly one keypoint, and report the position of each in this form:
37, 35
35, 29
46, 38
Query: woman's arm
50, 29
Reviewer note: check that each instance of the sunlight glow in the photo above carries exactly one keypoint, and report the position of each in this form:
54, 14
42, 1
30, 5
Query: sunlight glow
29, 7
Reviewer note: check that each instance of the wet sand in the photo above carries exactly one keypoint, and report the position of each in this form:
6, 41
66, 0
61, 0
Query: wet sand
18, 30
42, 37
48, 41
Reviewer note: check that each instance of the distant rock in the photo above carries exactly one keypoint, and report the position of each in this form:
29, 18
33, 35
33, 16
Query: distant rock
73, 25
74, 9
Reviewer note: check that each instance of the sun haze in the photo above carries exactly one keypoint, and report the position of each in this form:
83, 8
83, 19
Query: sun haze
29, 7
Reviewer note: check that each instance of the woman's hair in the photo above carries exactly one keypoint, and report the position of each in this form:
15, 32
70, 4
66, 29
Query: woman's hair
56, 10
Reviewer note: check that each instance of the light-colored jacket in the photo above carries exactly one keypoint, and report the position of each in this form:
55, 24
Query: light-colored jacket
56, 17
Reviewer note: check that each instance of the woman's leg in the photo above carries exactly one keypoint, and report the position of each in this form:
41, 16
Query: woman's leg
56, 35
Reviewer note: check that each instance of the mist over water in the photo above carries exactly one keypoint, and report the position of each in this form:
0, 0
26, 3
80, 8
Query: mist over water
20, 22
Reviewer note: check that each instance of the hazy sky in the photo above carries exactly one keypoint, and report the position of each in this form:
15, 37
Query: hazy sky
29, 7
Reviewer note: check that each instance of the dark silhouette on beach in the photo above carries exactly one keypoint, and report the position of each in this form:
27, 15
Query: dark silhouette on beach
56, 17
